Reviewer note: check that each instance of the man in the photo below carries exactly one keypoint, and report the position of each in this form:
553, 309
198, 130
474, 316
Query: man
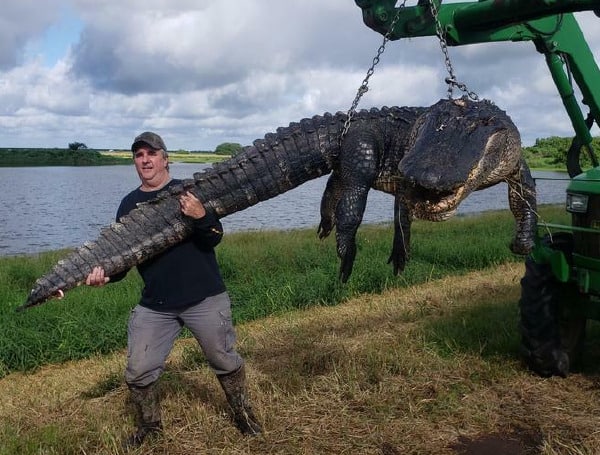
182, 287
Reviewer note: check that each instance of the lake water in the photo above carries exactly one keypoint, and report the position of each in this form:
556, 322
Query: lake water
47, 208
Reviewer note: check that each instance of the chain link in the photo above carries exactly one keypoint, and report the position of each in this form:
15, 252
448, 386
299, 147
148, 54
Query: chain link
364, 86
451, 79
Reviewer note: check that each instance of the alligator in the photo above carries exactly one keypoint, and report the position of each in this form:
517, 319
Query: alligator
452, 148
429, 158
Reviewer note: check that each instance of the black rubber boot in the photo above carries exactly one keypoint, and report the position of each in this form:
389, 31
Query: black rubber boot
234, 386
146, 406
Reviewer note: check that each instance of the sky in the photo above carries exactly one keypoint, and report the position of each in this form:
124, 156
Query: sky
205, 72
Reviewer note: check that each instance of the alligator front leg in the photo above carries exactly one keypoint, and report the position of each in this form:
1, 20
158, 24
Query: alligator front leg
349, 184
342, 206
401, 246
522, 203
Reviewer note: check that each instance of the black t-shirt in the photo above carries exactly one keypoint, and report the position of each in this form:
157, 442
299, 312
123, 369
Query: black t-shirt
187, 272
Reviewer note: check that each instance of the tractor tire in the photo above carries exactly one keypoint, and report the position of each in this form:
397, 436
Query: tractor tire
551, 339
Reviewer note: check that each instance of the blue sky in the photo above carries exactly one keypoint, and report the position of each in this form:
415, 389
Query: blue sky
55, 42
203, 72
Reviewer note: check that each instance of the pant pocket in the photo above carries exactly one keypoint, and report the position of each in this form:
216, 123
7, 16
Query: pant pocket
228, 331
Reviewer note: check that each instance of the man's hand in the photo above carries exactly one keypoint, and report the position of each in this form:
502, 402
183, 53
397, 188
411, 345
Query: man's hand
97, 278
191, 206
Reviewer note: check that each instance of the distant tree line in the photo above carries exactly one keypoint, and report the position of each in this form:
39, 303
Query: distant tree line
547, 153
228, 148
77, 146
56, 157
551, 153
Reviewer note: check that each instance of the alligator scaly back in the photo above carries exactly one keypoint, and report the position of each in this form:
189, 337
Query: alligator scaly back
273, 165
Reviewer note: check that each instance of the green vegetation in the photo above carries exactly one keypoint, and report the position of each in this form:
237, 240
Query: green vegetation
551, 153
202, 158
77, 146
78, 155
180, 156
267, 272
56, 157
429, 368
228, 148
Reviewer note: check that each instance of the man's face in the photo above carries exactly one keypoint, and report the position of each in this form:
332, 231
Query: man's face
151, 166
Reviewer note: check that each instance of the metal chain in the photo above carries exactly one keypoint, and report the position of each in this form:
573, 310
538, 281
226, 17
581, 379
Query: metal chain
364, 87
451, 79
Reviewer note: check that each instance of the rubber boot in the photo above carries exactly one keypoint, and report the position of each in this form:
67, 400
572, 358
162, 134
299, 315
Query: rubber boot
234, 386
146, 407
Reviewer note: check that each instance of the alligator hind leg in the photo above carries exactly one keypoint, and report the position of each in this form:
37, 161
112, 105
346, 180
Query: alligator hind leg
522, 202
401, 246
329, 201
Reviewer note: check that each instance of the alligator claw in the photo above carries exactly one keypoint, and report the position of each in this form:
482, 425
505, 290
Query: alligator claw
347, 254
398, 262
324, 229
522, 248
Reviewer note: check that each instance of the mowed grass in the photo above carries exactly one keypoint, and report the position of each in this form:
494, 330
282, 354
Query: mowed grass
178, 157
425, 369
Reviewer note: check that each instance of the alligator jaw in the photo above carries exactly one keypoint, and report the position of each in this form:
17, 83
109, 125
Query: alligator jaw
431, 205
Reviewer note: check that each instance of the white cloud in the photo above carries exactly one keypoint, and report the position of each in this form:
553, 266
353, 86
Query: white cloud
20, 22
208, 71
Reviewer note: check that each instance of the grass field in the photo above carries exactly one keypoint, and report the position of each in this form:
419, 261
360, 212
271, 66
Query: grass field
266, 272
425, 369
425, 363
178, 157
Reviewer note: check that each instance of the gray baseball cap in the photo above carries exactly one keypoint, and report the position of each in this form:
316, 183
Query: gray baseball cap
148, 138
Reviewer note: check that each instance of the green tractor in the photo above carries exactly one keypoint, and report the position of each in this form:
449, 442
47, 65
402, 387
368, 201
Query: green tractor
560, 290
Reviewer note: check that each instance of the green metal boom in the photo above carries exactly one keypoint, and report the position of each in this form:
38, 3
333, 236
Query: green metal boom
549, 24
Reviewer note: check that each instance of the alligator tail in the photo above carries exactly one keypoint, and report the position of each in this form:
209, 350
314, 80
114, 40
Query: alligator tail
144, 232
271, 166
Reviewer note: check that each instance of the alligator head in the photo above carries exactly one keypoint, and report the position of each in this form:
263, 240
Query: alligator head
456, 147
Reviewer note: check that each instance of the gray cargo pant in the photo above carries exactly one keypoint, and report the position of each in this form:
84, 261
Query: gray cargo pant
151, 335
